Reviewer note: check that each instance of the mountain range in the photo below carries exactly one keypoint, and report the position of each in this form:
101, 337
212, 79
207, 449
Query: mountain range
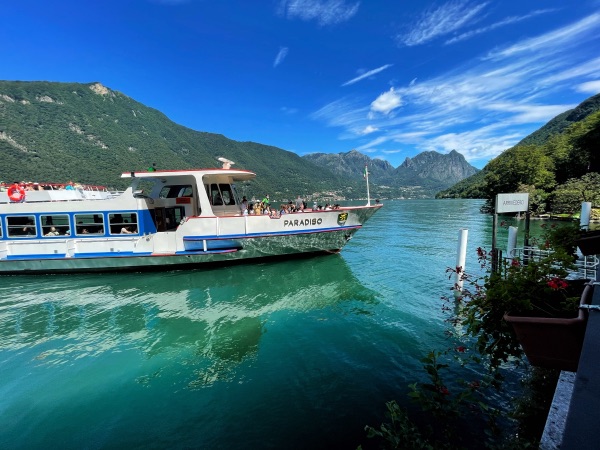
89, 133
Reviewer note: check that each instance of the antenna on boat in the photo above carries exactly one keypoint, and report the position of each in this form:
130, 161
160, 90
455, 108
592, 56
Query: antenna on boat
226, 162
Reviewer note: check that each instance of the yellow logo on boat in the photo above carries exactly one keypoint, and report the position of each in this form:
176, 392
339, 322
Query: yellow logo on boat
342, 218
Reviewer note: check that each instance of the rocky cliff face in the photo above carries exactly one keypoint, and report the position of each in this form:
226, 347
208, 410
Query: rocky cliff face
450, 168
431, 168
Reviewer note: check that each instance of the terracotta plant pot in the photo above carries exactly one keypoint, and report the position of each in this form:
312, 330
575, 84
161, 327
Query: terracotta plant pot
553, 343
589, 243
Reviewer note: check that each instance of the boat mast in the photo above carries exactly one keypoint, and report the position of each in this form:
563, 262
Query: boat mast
366, 175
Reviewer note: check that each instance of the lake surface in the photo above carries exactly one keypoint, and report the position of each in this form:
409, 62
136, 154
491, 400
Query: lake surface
299, 354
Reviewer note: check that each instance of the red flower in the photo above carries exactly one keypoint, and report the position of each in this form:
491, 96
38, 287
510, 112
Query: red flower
443, 390
556, 284
461, 349
515, 262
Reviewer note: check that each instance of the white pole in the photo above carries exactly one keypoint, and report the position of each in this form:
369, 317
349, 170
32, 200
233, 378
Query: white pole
584, 218
512, 242
584, 223
367, 178
461, 258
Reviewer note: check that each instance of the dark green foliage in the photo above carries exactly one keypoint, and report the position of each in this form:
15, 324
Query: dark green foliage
55, 132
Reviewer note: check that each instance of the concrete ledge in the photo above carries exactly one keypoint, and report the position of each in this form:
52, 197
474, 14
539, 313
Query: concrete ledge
557, 416
583, 414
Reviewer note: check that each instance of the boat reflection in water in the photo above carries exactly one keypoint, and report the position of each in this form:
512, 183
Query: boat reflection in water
87, 347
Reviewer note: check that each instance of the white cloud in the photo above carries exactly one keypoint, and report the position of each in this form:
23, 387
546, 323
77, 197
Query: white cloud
589, 87
441, 21
485, 106
283, 51
367, 74
391, 152
386, 102
556, 39
502, 23
368, 147
325, 12
368, 130
589, 69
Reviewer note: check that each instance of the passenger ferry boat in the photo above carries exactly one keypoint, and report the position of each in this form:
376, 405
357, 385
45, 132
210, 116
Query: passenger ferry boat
166, 219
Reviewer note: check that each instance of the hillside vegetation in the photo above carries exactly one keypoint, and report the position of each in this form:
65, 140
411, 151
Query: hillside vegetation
55, 132
88, 133
557, 165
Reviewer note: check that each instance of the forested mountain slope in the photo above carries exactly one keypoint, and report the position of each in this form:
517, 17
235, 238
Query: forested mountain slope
55, 132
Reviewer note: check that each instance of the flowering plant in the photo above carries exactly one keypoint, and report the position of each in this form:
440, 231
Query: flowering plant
538, 288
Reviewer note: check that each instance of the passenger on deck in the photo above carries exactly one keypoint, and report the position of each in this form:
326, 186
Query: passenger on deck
126, 230
244, 205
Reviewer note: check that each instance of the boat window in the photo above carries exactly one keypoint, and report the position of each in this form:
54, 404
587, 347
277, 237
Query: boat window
123, 223
21, 226
227, 194
215, 195
55, 225
221, 194
89, 224
175, 191
174, 216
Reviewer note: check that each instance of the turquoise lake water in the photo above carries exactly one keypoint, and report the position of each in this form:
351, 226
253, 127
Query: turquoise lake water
297, 354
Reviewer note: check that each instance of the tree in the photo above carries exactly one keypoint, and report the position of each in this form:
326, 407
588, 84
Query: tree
567, 198
521, 165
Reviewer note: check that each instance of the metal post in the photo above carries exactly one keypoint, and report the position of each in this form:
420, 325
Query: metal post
584, 218
494, 250
512, 242
461, 258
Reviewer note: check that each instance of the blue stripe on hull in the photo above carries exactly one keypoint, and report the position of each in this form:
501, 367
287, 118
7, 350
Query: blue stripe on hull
55, 256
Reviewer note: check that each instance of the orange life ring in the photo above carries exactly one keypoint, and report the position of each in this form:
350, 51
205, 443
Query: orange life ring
16, 193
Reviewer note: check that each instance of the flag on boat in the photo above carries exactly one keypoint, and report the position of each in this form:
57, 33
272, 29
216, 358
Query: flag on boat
366, 174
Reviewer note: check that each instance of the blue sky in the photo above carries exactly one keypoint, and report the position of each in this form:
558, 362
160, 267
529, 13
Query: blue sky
389, 78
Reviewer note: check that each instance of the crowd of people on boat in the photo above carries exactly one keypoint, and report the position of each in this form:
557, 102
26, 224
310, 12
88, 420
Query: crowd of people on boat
35, 186
264, 207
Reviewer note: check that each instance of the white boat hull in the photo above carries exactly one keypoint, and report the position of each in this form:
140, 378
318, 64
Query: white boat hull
199, 232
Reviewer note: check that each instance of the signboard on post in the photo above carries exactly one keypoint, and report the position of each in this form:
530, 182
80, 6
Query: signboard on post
510, 203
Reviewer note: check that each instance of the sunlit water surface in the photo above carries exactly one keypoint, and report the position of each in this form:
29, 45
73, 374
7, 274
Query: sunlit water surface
298, 354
